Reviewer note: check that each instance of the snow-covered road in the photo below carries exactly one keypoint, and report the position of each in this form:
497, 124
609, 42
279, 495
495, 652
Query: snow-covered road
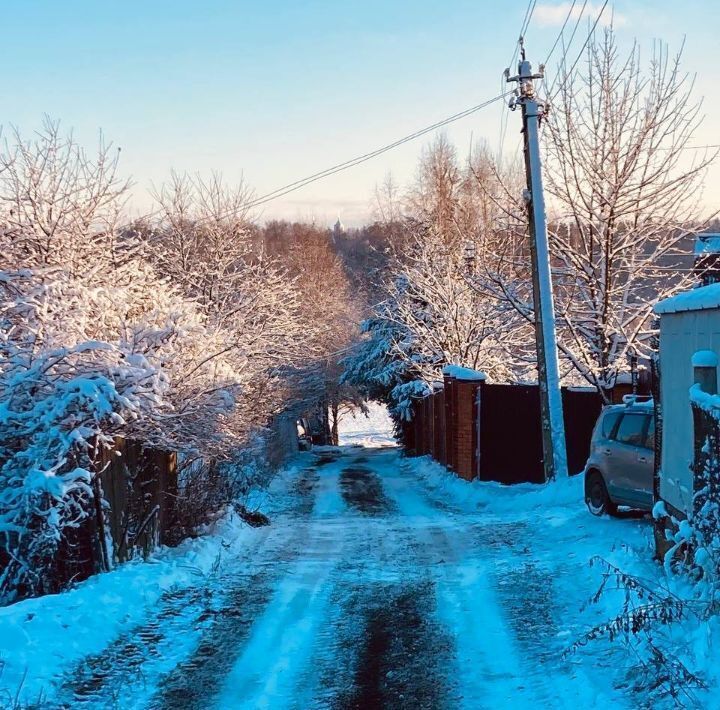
382, 582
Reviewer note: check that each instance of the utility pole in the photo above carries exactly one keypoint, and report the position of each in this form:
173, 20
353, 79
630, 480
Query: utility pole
553, 427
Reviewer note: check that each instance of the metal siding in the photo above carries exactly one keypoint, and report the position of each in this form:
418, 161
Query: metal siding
681, 335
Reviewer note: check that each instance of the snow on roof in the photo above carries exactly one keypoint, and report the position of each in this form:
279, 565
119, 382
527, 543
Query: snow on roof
704, 358
463, 373
707, 244
697, 299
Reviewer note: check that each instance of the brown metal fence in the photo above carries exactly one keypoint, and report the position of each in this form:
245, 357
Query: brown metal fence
492, 431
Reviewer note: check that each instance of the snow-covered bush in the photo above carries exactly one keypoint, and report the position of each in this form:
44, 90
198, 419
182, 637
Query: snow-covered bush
106, 332
670, 628
432, 317
60, 397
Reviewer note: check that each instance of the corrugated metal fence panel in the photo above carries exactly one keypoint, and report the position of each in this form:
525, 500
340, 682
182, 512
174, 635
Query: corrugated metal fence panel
510, 434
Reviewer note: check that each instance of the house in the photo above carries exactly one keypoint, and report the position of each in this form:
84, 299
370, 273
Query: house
689, 355
707, 258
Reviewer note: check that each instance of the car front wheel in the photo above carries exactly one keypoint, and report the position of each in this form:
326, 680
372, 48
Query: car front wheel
596, 496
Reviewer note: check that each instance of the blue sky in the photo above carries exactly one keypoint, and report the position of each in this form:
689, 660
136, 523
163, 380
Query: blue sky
279, 89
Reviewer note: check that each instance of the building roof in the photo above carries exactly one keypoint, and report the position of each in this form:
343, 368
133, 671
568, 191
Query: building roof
708, 243
696, 299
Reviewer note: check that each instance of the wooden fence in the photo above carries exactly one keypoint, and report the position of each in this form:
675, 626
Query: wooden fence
139, 485
134, 489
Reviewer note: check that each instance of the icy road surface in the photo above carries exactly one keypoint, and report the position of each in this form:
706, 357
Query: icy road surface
379, 584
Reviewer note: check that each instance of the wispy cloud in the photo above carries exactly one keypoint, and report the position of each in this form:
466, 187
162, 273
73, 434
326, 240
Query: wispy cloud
553, 15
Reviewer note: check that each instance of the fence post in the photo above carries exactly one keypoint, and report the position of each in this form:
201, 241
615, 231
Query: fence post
449, 422
440, 426
477, 448
465, 395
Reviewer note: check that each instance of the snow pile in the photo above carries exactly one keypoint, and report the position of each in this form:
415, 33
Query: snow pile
694, 300
704, 358
44, 633
495, 497
709, 402
374, 429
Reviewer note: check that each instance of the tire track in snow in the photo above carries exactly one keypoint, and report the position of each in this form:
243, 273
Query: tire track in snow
192, 681
362, 490
251, 661
461, 550
382, 645
399, 653
147, 657
273, 662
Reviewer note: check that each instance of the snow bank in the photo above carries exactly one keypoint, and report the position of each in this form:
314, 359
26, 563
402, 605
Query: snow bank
496, 497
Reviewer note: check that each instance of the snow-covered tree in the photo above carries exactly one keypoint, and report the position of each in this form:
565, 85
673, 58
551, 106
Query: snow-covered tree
205, 243
443, 319
625, 201
433, 313
98, 339
60, 206
330, 308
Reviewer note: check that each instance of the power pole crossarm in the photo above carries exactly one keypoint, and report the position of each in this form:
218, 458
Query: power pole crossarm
553, 426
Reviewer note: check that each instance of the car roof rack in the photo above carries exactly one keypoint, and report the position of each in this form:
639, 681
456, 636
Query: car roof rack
630, 399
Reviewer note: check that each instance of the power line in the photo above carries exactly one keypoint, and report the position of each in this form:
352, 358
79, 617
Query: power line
523, 28
562, 29
580, 53
297, 184
698, 147
302, 182
529, 10
566, 48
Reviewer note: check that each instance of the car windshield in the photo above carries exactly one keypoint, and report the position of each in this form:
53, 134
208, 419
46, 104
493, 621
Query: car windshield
631, 430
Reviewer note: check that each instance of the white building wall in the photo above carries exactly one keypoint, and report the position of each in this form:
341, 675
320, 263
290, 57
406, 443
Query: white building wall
681, 335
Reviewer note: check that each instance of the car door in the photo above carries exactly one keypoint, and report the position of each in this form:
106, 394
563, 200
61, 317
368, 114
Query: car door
645, 470
627, 469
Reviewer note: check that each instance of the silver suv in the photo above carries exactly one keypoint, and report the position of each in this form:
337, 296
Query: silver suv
619, 470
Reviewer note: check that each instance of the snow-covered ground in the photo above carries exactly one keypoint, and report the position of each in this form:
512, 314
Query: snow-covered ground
375, 429
381, 582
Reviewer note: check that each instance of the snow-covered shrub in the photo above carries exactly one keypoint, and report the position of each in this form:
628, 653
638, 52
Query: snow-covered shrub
654, 618
63, 393
432, 317
177, 334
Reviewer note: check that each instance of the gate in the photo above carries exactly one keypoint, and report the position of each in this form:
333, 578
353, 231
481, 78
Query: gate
510, 435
